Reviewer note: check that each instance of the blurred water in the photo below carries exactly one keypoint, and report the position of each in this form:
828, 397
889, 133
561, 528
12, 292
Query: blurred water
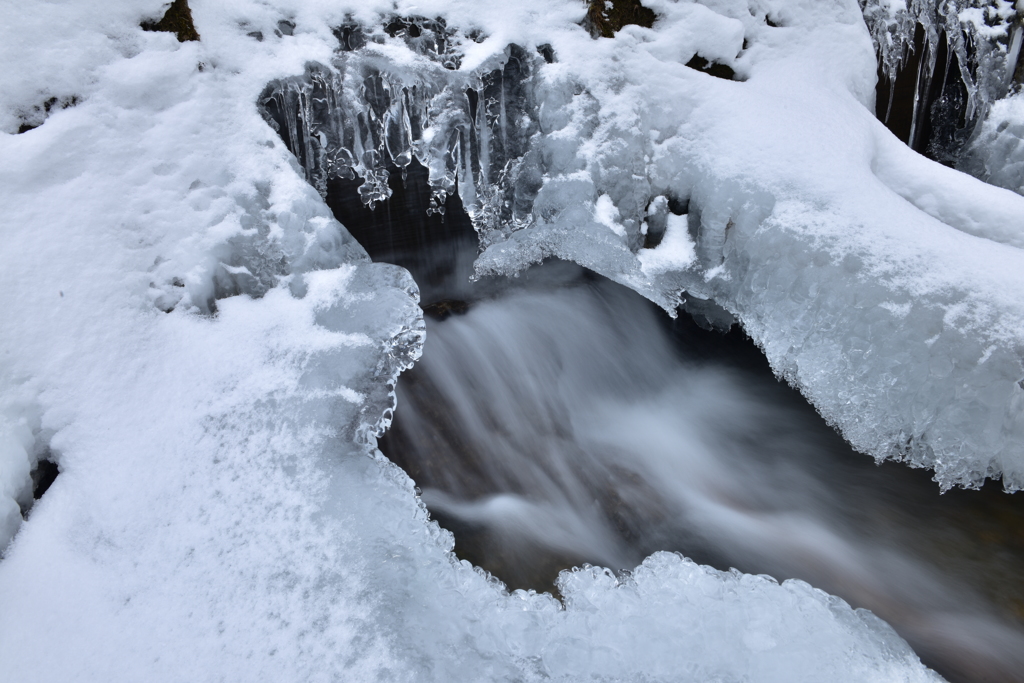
564, 420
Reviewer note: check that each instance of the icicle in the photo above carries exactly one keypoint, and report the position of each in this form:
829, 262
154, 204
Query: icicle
368, 116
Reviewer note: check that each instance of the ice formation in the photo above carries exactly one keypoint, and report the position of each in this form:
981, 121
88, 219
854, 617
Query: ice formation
997, 153
843, 253
207, 353
967, 71
387, 101
983, 38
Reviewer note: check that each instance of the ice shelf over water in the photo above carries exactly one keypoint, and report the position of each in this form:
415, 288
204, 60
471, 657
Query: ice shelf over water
207, 354
883, 285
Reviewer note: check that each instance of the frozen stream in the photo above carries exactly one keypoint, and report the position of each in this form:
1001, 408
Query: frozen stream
565, 420
561, 419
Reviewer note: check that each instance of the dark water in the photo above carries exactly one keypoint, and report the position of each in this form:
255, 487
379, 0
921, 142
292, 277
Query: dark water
560, 419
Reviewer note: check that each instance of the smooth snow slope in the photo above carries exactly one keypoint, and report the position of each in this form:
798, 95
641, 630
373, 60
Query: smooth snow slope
217, 516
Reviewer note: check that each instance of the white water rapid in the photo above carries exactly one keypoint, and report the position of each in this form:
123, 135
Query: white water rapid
563, 422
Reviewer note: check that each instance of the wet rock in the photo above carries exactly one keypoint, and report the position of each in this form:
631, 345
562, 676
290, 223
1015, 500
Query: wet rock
715, 69
441, 310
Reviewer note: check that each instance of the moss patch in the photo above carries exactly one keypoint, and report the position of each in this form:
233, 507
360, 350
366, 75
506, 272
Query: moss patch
605, 21
177, 20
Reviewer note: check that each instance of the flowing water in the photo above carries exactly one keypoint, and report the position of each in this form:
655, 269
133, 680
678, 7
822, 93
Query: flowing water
559, 419
564, 421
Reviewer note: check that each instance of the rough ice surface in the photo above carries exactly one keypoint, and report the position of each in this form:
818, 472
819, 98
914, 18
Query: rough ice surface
996, 155
881, 284
207, 354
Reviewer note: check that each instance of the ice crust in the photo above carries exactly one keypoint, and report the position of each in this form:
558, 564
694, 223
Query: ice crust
851, 260
208, 355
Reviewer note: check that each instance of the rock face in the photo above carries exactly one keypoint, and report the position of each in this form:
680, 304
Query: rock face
634, 180
177, 20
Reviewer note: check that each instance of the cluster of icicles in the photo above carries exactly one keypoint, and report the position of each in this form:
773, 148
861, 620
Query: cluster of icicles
366, 116
969, 46
984, 36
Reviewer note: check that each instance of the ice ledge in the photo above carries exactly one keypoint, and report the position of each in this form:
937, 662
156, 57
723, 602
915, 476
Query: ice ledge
879, 283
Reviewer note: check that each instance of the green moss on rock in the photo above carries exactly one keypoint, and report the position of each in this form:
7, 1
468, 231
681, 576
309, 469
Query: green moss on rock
177, 20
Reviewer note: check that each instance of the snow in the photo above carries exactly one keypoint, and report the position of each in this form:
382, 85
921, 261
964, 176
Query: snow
606, 213
208, 354
996, 154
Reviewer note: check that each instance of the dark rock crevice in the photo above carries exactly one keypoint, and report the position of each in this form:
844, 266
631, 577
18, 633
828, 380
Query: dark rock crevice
437, 248
604, 22
723, 71
43, 475
37, 115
